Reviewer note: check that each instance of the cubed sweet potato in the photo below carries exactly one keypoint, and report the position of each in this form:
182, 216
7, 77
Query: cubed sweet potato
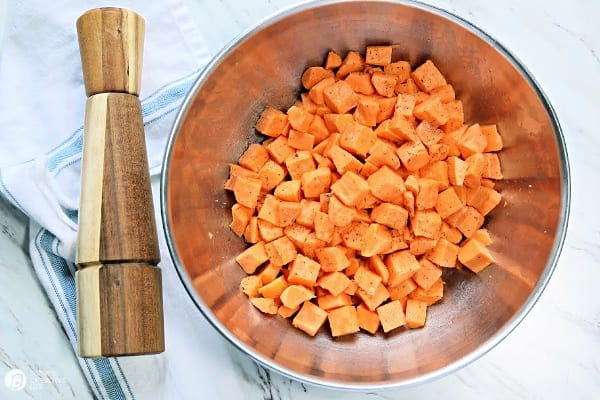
251, 258
272, 122
428, 77
391, 315
310, 318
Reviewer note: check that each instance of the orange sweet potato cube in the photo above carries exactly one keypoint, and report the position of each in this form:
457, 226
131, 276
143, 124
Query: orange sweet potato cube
444, 254
421, 245
367, 280
483, 236
299, 118
409, 202
357, 139
251, 234
360, 82
377, 265
310, 318
438, 171
475, 255
428, 134
456, 116
300, 140
391, 315
386, 108
377, 239
405, 105
303, 271
299, 164
274, 288
250, 285
247, 191
254, 157
352, 62
445, 93
350, 188
428, 194
279, 149
427, 275
366, 111
317, 92
269, 273
378, 55
353, 235
492, 166
457, 170
318, 129
340, 214
297, 234
311, 244
432, 110
427, 224
391, 215
476, 164
430, 296
268, 231
289, 191
416, 313
251, 258
428, 77
484, 199
307, 212
333, 60
314, 75
332, 259
330, 302
281, 251
294, 295
287, 212
367, 319
316, 182
407, 87
270, 175
375, 300
334, 282
472, 141
340, 97
403, 289
386, 185
468, 220
402, 265
383, 153
272, 122
286, 312
264, 304
240, 216
401, 69
324, 228
343, 321
448, 203
493, 138
384, 84
343, 160
413, 155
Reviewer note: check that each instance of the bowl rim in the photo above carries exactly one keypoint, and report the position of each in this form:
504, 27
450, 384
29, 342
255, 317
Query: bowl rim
458, 364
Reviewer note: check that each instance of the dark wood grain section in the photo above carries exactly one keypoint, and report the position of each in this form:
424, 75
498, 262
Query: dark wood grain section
111, 42
128, 228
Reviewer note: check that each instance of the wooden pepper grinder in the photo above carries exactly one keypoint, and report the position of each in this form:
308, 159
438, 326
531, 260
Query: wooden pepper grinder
119, 294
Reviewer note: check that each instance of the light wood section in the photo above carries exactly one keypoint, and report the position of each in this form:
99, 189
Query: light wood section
119, 308
116, 220
111, 42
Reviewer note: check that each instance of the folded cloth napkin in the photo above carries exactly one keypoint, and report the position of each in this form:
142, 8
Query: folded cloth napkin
41, 113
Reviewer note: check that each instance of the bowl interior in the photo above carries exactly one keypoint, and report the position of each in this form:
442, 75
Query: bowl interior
264, 68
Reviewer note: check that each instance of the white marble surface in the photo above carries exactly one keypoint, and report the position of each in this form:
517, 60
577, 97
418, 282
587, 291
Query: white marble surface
553, 354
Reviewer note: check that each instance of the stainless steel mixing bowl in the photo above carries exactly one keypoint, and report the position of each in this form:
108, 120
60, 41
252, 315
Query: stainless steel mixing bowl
263, 67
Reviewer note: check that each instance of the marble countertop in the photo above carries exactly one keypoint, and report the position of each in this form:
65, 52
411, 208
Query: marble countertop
553, 354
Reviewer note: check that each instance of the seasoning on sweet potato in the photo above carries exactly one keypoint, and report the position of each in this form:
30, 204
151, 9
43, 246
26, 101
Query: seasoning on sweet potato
371, 168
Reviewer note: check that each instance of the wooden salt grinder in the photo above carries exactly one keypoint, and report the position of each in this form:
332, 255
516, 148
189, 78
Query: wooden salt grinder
119, 294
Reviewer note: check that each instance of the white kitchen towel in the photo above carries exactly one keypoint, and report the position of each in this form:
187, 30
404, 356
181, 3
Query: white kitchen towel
41, 113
